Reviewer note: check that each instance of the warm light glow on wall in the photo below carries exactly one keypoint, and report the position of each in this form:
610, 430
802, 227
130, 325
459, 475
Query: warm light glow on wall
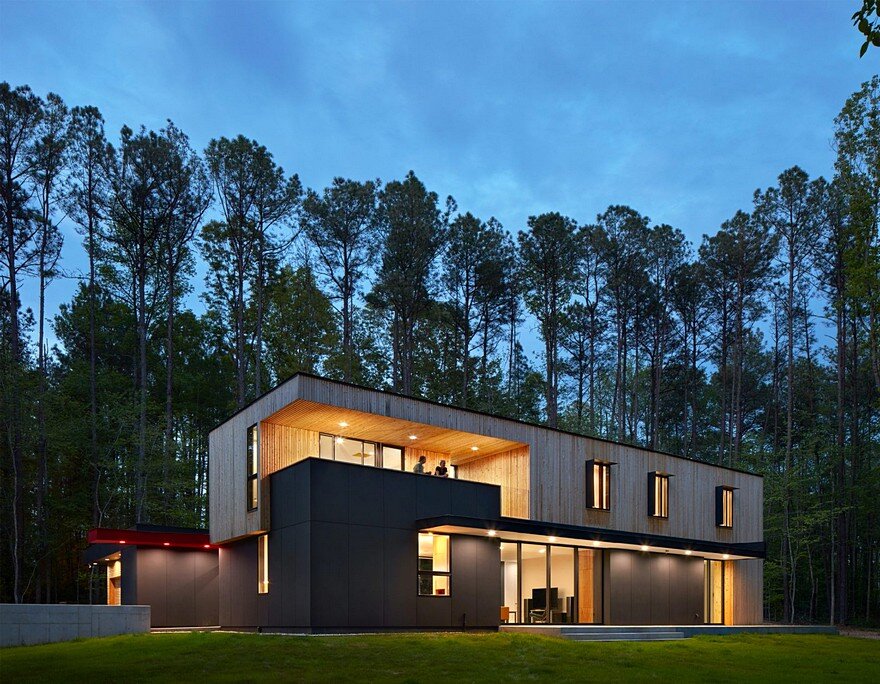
263, 564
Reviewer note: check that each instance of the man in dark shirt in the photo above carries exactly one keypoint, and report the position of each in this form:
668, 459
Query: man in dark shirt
441, 470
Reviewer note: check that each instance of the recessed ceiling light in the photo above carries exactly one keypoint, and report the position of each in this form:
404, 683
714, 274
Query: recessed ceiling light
595, 543
644, 548
551, 539
413, 437
121, 541
725, 556
491, 533
342, 423
166, 543
207, 546
688, 552
475, 448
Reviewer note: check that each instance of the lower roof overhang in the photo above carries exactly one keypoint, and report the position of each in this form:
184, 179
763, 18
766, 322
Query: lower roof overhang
540, 532
105, 542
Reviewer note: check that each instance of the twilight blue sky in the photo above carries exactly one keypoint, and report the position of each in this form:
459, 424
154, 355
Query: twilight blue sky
679, 109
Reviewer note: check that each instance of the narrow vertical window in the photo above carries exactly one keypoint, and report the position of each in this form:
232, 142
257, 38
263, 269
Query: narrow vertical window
724, 506
263, 564
253, 468
658, 495
326, 449
713, 592
433, 564
599, 485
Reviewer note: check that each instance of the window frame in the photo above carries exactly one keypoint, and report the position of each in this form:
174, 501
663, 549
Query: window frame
434, 573
658, 483
378, 454
724, 494
252, 481
605, 485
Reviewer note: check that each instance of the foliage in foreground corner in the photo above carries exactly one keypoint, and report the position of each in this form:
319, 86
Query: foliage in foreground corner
866, 26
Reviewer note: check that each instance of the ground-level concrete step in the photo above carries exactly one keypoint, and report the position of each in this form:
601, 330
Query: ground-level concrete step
622, 636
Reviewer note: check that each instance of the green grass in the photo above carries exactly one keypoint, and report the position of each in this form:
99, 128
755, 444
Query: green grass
209, 657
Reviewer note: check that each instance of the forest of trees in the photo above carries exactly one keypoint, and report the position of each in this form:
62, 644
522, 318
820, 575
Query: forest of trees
758, 348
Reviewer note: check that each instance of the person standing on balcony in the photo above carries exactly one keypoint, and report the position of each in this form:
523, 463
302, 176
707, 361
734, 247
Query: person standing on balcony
420, 466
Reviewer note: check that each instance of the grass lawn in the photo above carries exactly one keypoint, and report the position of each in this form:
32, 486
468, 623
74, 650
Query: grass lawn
209, 657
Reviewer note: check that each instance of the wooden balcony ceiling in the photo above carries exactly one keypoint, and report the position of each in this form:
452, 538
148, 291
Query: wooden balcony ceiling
308, 415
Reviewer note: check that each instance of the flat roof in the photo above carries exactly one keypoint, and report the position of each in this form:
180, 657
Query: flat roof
496, 416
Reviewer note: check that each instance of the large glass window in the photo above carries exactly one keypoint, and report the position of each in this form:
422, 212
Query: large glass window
349, 450
263, 564
562, 591
392, 457
658, 495
434, 564
713, 592
359, 451
599, 485
550, 584
253, 468
534, 583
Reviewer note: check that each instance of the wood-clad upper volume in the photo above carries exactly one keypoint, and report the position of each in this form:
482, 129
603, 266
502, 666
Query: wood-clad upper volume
543, 473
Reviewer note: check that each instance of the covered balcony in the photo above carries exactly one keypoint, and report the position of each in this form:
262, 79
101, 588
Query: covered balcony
306, 429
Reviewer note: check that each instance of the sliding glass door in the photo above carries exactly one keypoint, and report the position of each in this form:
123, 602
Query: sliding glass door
550, 584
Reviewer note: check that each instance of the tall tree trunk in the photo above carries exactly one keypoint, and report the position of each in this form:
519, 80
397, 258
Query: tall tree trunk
14, 429
93, 381
168, 451
140, 484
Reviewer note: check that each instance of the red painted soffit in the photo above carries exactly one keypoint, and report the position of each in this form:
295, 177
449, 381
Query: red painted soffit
173, 540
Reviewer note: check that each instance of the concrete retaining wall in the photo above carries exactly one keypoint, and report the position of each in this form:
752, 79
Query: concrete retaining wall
26, 624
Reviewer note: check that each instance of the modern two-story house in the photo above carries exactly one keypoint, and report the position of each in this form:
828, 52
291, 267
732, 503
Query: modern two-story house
318, 523
322, 525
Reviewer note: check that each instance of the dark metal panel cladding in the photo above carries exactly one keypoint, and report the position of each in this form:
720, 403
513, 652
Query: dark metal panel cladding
488, 583
619, 580
400, 574
366, 585
365, 499
640, 608
399, 490
302, 574
435, 611
433, 496
695, 585
207, 583
660, 586
330, 574
463, 497
330, 491
238, 581
181, 592
129, 577
152, 586
464, 588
